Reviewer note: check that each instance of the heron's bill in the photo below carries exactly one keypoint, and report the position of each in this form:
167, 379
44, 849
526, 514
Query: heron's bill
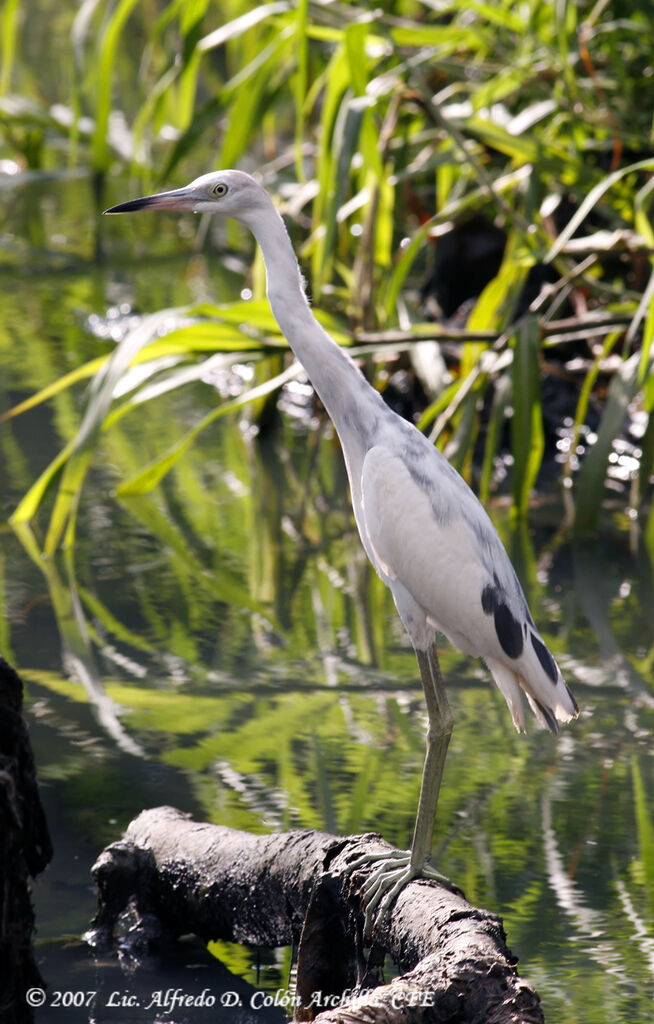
177, 199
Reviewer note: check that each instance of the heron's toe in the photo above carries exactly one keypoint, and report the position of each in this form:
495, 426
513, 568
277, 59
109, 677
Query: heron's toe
391, 871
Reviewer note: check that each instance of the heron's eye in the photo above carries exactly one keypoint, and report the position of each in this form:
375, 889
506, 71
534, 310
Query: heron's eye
220, 189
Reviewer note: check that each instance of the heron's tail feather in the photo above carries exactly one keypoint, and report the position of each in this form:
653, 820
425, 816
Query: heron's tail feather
540, 678
508, 684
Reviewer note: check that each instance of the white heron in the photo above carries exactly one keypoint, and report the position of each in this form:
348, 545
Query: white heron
426, 534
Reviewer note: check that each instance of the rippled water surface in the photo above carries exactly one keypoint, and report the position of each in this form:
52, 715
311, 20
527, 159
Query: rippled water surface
223, 646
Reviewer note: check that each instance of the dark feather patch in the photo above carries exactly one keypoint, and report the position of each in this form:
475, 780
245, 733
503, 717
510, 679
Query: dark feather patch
545, 658
508, 631
552, 724
574, 702
489, 599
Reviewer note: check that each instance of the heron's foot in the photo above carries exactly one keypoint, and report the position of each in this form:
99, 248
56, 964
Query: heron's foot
393, 871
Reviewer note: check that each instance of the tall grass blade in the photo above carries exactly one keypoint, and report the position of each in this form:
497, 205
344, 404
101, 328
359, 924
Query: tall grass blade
236, 27
591, 200
645, 827
501, 398
64, 514
101, 395
79, 35
401, 270
191, 15
204, 118
527, 437
590, 486
9, 24
337, 79
81, 29
81, 373
30, 502
645, 306
107, 62
250, 100
583, 400
301, 81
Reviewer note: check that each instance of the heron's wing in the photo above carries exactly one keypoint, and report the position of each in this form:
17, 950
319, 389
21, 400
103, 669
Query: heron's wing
423, 544
436, 548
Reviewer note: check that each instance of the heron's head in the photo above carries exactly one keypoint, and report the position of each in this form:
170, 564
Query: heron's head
232, 193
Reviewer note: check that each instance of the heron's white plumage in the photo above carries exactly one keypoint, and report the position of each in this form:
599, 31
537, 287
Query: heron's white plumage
443, 557
433, 560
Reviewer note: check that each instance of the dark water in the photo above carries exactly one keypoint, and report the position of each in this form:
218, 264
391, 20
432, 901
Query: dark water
223, 646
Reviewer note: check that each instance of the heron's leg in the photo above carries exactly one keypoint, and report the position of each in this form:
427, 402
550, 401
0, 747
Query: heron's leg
395, 869
438, 739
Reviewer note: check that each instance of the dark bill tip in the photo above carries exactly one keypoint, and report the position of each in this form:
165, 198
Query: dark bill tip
132, 205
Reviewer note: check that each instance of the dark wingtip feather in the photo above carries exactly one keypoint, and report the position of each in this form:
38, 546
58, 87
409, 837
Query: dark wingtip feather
545, 658
548, 717
575, 706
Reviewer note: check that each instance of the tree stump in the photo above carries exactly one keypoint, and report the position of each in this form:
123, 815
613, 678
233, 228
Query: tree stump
25, 849
178, 876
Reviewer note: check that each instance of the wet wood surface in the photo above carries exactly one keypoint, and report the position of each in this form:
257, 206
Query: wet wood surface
180, 876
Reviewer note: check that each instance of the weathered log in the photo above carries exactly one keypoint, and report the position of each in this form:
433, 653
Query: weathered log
25, 849
179, 876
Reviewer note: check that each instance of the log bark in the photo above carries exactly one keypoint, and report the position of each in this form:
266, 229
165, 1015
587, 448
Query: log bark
178, 876
25, 849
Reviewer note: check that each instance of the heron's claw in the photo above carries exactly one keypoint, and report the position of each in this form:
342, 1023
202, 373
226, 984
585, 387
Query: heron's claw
394, 870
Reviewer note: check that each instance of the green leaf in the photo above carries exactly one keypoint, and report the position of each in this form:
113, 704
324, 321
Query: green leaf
301, 81
446, 39
254, 89
204, 118
527, 438
645, 306
344, 144
495, 308
236, 27
402, 268
101, 393
518, 147
501, 398
336, 82
81, 373
645, 827
64, 512
460, 445
106, 67
591, 200
584, 398
29, 504
590, 486
9, 25
439, 404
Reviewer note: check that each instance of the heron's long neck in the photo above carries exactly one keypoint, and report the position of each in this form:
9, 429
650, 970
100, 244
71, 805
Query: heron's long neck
341, 387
